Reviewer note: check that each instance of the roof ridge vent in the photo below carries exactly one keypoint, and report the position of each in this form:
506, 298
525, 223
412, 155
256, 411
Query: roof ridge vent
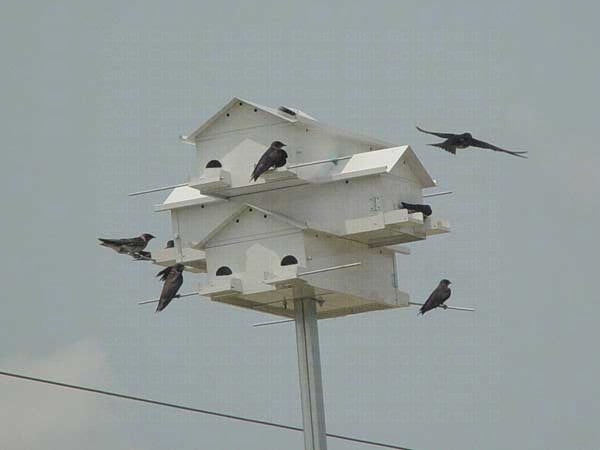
286, 110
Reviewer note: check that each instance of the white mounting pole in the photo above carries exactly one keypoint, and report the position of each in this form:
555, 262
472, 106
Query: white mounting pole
309, 365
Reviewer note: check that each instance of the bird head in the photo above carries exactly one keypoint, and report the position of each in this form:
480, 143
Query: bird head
170, 244
179, 267
445, 282
278, 144
146, 237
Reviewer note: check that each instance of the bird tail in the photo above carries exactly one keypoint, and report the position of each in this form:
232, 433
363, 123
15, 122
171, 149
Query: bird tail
519, 154
448, 149
107, 242
254, 176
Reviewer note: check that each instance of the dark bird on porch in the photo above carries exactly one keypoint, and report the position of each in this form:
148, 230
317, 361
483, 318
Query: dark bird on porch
173, 279
275, 156
437, 297
464, 140
415, 207
130, 246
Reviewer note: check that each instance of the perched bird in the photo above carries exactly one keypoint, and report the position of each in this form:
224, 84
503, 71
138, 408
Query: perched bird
275, 156
173, 278
424, 209
464, 140
132, 246
437, 297
170, 244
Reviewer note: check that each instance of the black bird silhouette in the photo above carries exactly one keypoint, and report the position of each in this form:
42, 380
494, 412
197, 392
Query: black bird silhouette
131, 246
437, 298
275, 156
170, 243
464, 140
425, 209
173, 278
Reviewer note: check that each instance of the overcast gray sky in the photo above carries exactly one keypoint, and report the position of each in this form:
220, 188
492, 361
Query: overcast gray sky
94, 95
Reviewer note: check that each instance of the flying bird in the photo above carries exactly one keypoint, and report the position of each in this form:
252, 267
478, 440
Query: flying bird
274, 156
170, 244
131, 246
424, 209
437, 298
464, 140
173, 279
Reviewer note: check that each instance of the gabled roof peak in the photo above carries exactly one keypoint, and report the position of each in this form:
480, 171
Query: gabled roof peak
289, 114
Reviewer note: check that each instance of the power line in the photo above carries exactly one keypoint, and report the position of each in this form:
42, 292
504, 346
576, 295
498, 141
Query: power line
190, 409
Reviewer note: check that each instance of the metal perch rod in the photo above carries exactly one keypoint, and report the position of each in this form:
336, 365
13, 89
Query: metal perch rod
276, 322
189, 294
321, 161
164, 188
435, 194
457, 308
327, 269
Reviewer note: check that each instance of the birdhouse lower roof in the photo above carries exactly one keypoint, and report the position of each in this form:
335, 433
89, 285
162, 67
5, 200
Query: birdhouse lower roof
360, 165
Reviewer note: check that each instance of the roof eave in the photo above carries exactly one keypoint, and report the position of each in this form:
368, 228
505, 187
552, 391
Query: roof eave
345, 133
425, 179
191, 138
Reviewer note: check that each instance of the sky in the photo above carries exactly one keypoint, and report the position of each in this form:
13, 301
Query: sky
94, 97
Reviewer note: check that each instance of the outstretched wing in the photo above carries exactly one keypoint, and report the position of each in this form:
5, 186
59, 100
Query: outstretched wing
440, 135
482, 144
169, 291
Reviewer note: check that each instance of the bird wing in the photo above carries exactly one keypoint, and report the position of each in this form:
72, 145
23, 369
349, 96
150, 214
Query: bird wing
444, 295
430, 303
169, 290
440, 135
482, 144
437, 298
163, 274
264, 163
124, 242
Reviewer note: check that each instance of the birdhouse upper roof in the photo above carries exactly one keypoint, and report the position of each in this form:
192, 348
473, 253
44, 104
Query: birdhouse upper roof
290, 115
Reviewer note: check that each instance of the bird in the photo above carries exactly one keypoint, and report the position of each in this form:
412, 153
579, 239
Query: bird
437, 298
464, 140
424, 209
275, 156
170, 243
173, 279
130, 246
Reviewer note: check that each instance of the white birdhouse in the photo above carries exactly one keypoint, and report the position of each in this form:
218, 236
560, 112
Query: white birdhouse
325, 225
